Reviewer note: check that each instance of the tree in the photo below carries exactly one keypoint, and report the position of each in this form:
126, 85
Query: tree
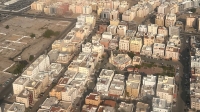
31, 57
130, 54
48, 33
193, 10
32, 35
7, 27
117, 48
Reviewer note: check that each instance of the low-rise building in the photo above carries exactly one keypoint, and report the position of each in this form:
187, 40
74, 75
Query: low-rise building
121, 30
191, 21
160, 38
35, 87
112, 29
117, 86
69, 93
174, 30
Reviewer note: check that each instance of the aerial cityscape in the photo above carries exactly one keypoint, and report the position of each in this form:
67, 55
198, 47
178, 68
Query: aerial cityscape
99, 56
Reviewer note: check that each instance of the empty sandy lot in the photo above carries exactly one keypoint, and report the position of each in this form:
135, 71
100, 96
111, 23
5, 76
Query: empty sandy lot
16, 38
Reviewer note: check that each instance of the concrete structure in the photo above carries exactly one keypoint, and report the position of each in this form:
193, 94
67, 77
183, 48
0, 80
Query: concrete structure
128, 15
19, 84
133, 85
170, 19
117, 86
93, 99
112, 29
142, 107
135, 44
149, 39
142, 28
107, 35
191, 21
149, 86
104, 80
146, 50
35, 87
158, 50
152, 28
126, 107
124, 5
166, 88
17, 107
161, 105
49, 102
174, 30
159, 20
121, 60
160, 38
114, 14
136, 60
124, 43
172, 52
163, 30
69, 93
25, 97
121, 30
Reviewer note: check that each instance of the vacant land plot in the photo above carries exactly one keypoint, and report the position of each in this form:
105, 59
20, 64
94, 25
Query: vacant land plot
15, 37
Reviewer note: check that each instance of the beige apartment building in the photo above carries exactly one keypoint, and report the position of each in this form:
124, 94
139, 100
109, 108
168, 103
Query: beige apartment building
191, 21
135, 44
56, 92
163, 31
149, 39
25, 97
121, 30
128, 15
124, 43
114, 22
160, 19
93, 99
114, 14
133, 85
19, 84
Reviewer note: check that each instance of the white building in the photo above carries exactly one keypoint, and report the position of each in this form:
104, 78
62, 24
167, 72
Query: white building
152, 28
107, 35
149, 86
103, 83
158, 50
124, 43
19, 84
161, 105
142, 28
146, 50
112, 29
69, 93
17, 107
174, 30
172, 52
195, 61
49, 102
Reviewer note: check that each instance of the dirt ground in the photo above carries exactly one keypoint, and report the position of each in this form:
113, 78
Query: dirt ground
16, 38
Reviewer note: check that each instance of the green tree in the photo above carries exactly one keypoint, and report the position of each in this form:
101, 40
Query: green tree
32, 35
117, 48
7, 27
48, 33
130, 54
31, 57
193, 10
